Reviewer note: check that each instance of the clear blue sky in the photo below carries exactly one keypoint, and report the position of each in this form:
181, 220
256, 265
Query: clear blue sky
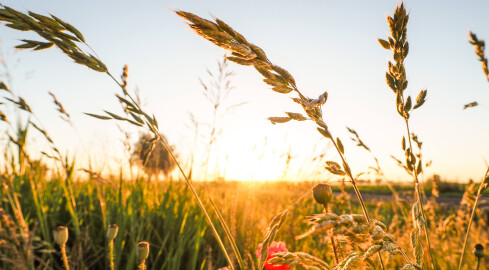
326, 45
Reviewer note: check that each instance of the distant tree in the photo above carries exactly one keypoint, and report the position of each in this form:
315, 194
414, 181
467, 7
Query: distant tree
153, 156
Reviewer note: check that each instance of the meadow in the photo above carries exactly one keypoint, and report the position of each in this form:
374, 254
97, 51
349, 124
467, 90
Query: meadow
63, 217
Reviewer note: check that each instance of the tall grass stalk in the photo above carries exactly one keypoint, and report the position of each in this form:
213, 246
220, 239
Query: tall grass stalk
482, 187
229, 235
50, 29
245, 53
396, 80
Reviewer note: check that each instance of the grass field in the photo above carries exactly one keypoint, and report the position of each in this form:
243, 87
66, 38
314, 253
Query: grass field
166, 215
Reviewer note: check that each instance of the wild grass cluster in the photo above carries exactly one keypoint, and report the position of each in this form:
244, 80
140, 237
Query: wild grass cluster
58, 218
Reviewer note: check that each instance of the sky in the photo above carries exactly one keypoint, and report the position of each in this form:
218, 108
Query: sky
326, 45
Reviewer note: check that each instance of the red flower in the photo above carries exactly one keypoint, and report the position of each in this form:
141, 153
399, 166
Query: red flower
275, 247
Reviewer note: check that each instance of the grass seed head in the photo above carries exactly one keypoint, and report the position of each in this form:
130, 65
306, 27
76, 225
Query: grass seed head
377, 233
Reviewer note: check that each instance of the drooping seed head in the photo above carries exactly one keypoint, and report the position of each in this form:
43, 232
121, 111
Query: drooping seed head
322, 193
346, 219
142, 251
390, 247
112, 232
362, 228
61, 235
479, 251
377, 233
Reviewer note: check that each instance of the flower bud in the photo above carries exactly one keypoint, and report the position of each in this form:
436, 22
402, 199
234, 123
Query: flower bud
61, 235
112, 232
322, 193
142, 252
479, 251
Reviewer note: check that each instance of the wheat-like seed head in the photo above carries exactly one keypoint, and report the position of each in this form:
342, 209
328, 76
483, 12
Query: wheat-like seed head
55, 31
303, 259
480, 47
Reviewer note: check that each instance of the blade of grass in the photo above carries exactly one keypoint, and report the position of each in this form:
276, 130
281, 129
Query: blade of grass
482, 187
228, 234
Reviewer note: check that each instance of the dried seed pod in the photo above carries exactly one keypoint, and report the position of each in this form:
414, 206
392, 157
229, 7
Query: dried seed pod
142, 252
61, 235
479, 251
322, 194
112, 232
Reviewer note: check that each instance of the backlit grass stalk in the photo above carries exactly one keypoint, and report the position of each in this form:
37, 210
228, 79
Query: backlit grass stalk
22, 105
67, 38
378, 170
396, 80
229, 235
245, 53
248, 54
482, 187
480, 47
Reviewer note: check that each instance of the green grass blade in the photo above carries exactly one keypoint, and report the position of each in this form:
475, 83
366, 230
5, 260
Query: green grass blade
228, 235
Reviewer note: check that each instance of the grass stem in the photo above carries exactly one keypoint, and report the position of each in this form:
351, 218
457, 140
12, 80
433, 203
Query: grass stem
111, 254
479, 193
419, 197
64, 257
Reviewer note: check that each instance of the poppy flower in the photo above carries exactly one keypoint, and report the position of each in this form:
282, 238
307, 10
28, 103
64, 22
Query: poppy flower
275, 247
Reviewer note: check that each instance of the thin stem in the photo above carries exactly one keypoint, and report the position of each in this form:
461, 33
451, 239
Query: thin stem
65, 258
199, 202
357, 191
479, 193
352, 180
142, 265
333, 245
111, 255
403, 252
478, 263
418, 194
